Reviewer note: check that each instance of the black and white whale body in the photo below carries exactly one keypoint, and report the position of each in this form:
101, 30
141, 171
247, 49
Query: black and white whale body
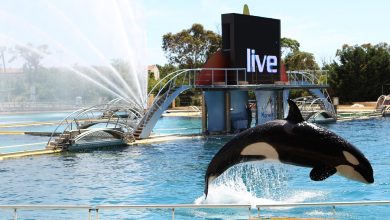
293, 141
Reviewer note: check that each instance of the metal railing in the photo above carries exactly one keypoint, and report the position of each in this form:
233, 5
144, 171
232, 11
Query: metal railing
315, 77
94, 115
302, 77
191, 77
313, 104
16, 208
93, 211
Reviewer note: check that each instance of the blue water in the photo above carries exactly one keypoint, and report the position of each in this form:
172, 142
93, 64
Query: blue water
173, 173
32, 117
178, 125
20, 123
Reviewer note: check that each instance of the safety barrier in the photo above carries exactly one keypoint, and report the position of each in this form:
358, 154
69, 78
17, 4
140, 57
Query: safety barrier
93, 211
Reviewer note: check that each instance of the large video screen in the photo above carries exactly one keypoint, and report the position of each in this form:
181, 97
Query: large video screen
252, 43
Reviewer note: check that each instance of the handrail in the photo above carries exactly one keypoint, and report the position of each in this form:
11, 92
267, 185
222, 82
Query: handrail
159, 206
74, 116
162, 80
80, 112
29, 207
310, 204
195, 70
173, 207
173, 76
168, 206
306, 76
303, 76
307, 104
169, 84
182, 71
62, 121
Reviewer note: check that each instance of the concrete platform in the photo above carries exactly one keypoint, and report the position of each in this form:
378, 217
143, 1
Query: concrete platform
28, 124
165, 138
27, 153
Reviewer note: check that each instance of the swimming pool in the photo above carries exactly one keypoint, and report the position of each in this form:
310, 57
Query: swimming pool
173, 173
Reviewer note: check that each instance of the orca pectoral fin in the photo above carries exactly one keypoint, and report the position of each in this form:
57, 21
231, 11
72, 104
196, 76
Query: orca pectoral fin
321, 172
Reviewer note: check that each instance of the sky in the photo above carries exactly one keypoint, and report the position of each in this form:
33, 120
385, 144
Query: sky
97, 31
321, 27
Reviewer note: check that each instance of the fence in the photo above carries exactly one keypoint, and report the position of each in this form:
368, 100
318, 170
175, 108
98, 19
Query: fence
93, 211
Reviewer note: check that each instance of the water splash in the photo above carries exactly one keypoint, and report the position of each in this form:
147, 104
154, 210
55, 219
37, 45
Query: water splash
255, 183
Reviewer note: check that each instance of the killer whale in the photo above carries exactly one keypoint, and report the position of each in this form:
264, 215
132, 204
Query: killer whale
296, 142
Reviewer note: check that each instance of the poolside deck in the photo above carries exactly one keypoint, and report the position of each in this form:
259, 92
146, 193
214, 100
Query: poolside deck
357, 111
27, 153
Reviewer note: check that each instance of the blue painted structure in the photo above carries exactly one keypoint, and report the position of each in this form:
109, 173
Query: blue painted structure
225, 104
238, 113
215, 101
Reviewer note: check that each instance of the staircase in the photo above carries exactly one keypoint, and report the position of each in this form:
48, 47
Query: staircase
161, 103
319, 101
61, 142
152, 110
325, 103
378, 112
307, 114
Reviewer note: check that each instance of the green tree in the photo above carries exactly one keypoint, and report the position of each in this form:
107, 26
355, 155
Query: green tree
360, 71
151, 81
300, 60
166, 69
288, 46
190, 48
293, 58
31, 57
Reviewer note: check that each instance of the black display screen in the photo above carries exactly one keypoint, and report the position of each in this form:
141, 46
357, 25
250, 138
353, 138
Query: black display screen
252, 43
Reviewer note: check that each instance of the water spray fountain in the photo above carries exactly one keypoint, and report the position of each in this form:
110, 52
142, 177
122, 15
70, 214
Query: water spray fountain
84, 38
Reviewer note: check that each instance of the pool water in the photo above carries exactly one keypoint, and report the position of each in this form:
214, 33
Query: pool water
173, 173
178, 125
10, 143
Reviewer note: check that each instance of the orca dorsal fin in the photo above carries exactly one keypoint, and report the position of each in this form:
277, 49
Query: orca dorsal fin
294, 115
